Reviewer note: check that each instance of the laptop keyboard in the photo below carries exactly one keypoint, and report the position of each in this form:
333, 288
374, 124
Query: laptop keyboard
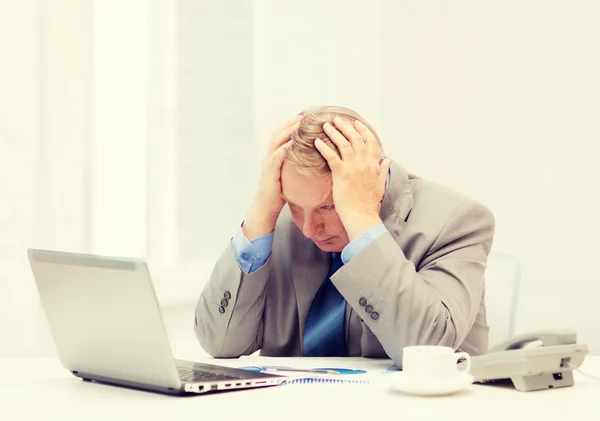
191, 375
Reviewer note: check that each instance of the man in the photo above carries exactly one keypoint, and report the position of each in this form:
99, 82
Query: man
346, 254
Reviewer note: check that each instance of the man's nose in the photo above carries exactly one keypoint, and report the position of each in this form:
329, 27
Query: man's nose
310, 227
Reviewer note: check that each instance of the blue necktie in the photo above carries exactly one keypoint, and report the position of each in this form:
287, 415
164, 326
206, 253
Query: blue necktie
324, 334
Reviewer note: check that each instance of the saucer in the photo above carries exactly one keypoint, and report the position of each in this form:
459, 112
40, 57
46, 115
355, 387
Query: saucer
431, 386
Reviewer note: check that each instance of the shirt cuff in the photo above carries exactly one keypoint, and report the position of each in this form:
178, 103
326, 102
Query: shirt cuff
251, 255
361, 242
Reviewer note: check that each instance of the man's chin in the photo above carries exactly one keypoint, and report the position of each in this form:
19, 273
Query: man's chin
330, 246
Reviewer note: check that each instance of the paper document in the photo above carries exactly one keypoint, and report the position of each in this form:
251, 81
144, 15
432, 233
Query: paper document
319, 370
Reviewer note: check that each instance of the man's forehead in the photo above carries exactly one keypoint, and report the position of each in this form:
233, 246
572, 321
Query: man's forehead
305, 188
291, 173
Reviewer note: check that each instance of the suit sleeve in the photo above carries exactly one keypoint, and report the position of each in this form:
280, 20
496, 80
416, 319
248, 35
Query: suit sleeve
433, 304
228, 317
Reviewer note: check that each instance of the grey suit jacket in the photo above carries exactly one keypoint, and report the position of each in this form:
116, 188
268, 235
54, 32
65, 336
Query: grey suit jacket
421, 282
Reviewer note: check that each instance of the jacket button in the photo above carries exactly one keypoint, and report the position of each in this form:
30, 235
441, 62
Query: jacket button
221, 309
369, 308
224, 302
374, 315
362, 301
227, 295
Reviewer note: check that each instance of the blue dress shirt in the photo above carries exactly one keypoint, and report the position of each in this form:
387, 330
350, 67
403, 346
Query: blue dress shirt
251, 255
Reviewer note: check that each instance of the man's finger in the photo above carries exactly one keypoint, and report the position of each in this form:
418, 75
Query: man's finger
276, 160
339, 140
289, 123
278, 156
283, 137
347, 129
368, 136
329, 154
385, 167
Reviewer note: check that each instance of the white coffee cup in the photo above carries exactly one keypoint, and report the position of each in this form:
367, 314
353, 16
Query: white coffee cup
433, 360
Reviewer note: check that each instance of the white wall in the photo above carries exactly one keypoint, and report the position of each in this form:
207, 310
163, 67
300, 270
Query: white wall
18, 169
45, 131
113, 113
121, 83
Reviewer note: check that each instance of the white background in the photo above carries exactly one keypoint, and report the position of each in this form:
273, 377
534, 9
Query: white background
135, 128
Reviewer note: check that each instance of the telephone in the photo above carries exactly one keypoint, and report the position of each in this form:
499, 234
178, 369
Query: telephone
546, 366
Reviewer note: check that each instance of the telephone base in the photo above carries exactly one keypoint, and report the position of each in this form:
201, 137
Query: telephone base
528, 370
543, 381
535, 382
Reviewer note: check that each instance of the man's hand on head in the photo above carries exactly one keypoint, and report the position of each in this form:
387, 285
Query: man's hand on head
268, 203
358, 176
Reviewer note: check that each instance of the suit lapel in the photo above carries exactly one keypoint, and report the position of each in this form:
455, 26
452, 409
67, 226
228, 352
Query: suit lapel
309, 267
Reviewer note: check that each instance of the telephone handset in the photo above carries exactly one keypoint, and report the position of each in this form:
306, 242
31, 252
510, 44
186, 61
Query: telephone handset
546, 337
548, 365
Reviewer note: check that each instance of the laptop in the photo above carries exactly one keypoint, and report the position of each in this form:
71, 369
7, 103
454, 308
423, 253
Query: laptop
107, 327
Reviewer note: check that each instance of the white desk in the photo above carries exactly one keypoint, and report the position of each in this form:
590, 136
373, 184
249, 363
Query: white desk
37, 389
